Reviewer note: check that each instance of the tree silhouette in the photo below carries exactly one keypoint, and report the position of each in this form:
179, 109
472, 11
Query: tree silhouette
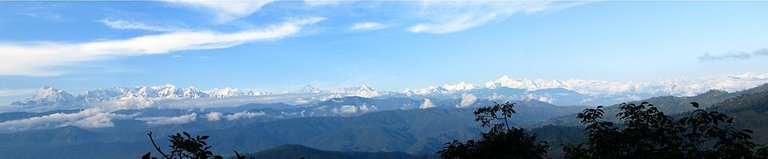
646, 132
501, 141
186, 147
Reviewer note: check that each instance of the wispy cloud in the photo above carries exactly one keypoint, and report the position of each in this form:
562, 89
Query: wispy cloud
734, 55
453, 16
42, 58
324, 2
367, 26
131, 25
15, 92
225, 11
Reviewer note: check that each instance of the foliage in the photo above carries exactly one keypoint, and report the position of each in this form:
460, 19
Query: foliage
501, 141
646, 132
185, 147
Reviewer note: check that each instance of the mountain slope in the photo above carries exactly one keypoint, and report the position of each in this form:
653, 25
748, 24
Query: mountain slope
298, 151
750, 111
414, 131
667, 104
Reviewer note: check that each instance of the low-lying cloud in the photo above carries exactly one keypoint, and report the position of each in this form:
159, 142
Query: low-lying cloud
88, 118
243, 115
183, 119
427, 104
467, 100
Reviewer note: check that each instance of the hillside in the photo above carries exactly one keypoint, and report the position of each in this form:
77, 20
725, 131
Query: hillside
749, 111
413, 131
667, 104
298, 151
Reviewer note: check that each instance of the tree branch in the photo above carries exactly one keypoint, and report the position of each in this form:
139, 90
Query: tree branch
155, 145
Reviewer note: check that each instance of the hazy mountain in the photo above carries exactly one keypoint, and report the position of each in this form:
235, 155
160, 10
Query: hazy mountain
416, 131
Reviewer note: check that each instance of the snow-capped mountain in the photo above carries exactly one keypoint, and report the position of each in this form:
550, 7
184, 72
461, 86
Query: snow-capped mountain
586, 92
149, 95
50, 97
560, 92
360, 91
675, 87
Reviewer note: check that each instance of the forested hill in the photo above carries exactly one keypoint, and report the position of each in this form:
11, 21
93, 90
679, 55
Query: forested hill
299, 151
669, 104
749, 110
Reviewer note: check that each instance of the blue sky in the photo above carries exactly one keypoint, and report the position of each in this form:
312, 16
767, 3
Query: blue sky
283, 45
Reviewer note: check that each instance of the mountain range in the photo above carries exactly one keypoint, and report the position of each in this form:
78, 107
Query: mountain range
112, 122
566, 92
345, 125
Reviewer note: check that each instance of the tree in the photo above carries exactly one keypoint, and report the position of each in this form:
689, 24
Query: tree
646, 132
186, 147
501, 140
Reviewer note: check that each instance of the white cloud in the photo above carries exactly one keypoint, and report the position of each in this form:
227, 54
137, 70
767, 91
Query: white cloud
453, 16
467, 100
366, 108
128, 25
367, 26
183, 119
41, 59
88, 118
225, 11
243, 115
96, 121
213, 116
427, 104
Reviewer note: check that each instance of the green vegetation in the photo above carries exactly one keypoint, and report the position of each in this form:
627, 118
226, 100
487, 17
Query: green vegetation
646, 132
501, 141
185, 147
643, 131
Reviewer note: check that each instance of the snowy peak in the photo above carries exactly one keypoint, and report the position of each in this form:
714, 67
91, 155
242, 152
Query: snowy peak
223, 92
49, 96
360, 91
462, 86
50, 93
192, 92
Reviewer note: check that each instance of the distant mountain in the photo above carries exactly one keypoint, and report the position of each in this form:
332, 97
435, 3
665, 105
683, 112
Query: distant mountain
298, 151
587, 92
560, 92
414, 131
50, 98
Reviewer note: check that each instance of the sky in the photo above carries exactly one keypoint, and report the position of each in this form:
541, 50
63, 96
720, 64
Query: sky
387, 45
